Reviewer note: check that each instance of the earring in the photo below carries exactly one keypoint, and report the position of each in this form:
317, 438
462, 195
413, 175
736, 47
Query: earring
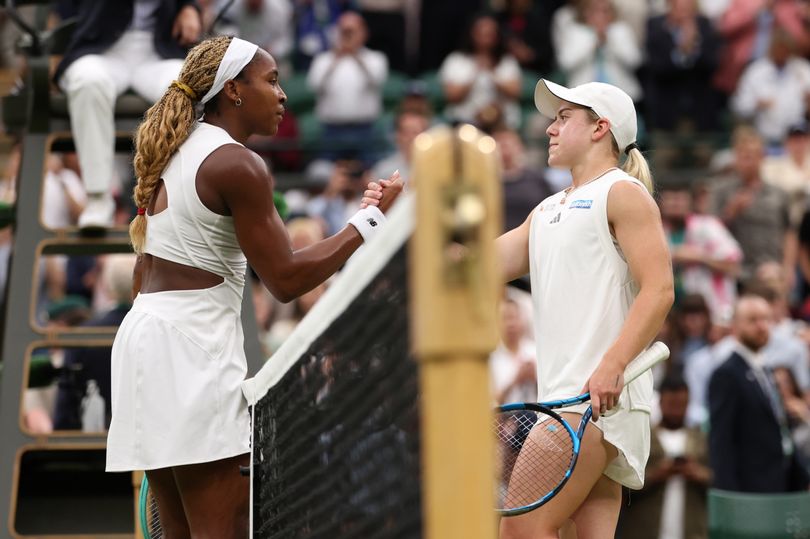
238, 102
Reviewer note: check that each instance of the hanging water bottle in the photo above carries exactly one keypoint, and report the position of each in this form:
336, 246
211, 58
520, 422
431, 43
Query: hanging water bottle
93, 419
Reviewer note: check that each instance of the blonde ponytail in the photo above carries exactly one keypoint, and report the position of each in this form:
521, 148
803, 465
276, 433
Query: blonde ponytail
636, 165
167, 125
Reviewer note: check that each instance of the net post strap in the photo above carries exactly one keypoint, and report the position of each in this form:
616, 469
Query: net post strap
252, 410
362, 267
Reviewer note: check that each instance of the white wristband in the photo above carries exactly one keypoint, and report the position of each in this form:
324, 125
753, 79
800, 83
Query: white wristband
367, 221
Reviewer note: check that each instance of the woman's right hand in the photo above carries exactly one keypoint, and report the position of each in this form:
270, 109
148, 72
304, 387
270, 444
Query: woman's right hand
382, 194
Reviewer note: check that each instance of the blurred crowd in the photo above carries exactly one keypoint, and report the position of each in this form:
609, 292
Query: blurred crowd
722, 88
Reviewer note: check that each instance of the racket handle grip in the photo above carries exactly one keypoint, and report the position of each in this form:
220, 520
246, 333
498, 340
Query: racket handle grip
656, 353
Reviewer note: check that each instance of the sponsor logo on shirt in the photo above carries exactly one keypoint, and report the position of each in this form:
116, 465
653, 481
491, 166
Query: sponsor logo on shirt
581, 204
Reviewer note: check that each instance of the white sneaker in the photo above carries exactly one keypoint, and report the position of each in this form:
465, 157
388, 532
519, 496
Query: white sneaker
98, 214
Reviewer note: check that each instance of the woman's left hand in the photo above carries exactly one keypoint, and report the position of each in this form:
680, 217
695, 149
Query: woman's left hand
605, 386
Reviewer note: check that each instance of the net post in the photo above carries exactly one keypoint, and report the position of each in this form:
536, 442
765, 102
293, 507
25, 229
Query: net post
455, 287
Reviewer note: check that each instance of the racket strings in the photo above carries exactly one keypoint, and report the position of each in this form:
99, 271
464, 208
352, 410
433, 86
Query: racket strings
534, 453
153, 518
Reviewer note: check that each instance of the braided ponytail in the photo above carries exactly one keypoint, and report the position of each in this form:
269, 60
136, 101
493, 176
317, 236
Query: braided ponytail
167, 125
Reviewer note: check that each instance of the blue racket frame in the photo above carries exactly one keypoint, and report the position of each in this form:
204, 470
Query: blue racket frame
548, 408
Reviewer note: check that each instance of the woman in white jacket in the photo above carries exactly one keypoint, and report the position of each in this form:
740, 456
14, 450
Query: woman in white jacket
592, 45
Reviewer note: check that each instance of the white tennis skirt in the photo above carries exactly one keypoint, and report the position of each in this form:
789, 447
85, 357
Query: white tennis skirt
627, 428
178, 362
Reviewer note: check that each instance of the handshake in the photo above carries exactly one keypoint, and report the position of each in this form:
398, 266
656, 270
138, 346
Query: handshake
377, 199
382, 193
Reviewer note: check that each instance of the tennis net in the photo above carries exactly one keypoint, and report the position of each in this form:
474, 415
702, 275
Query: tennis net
335, 410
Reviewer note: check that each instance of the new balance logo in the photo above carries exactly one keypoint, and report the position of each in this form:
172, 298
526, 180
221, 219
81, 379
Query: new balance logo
371, 221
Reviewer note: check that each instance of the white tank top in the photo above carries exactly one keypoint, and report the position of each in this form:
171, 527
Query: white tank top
582, 288
187, 232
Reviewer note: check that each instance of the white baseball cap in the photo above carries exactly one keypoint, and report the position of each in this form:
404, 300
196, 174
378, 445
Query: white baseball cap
606, 100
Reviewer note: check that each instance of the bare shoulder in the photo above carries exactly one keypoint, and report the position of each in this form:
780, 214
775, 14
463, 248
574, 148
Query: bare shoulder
232, 162
628, 199
231, 175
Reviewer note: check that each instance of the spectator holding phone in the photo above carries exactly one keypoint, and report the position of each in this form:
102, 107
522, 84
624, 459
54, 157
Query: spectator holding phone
672, 504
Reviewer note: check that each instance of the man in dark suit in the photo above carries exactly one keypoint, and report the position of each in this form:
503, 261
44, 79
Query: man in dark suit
117, 45
750, 448
682, 49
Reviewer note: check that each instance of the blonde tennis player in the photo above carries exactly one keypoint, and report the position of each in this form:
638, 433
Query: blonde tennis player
205, 209
601, 286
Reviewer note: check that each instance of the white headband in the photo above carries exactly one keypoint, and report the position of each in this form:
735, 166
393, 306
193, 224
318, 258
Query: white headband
238, 55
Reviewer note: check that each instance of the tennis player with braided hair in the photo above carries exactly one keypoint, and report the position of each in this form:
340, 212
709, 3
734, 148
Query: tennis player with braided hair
601, 286
205, 209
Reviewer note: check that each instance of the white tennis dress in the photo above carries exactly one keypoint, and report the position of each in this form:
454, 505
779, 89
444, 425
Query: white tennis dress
178, 359
582, 290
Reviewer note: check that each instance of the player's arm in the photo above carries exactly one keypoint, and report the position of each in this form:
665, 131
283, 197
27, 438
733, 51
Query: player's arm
246, 187
636, 224
513, 251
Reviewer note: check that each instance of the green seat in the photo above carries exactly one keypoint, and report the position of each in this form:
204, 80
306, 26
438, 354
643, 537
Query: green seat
528, 83
435, 92
393, 89
736, 515
310, 132
300, 99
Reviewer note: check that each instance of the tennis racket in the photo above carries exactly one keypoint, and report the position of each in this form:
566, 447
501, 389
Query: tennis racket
537, 449
148, 512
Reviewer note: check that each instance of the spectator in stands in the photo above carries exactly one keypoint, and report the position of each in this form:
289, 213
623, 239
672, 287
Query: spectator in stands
480, 74
63, 199
594, 45
705, 256
269, 24
756, 213
798, 412
635, 14
348, 82
137, 45
790, 171
681, 50
303, 231
524, 187
746, 27
526, 26
408, 125
804, 262
695, 323
699, 366
774, 90
415, 99
672, 504
315, 26
387, 28
441, 31
512, 365
750, 447
786, 347
81, 365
